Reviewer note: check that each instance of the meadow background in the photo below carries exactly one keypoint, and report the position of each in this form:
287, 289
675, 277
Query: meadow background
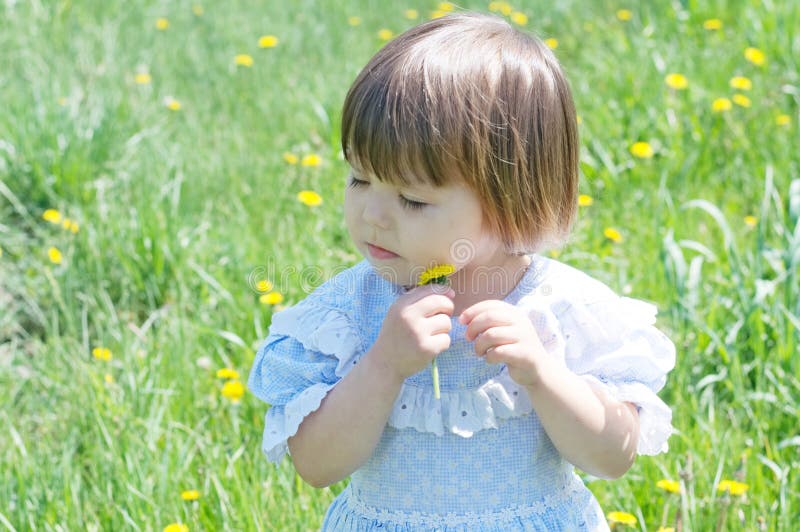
152, 154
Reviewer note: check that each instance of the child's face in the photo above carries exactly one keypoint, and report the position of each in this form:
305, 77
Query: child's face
403, 231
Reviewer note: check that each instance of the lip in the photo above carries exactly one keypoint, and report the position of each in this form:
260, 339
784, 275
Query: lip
378, 252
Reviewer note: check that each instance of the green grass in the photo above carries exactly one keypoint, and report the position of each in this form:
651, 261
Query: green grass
180, 211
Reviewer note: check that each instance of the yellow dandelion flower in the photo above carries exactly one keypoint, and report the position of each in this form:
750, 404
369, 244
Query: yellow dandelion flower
309, 197
52, 216
445, 6
190, 495
713, 24
354, 21
622, 518
612, 234
750, 221
172, 104
244, 60
584, 200
720, 105
783, 120
271, 298
176, 527
198, 10
290, 158
102, 353
411, 14
438, 14
733, 487
741, 100
755, 56
62, 101
551, 43
624, 15
579, 119
74, 227
162, 24
263, 286
233, 390
66, 224
665, 529
227, 373
54, 255
312, 159
435, 273
741, 83
267, 41
643, 150
108, 378
672, 486
504, 8
142, 78
385, 34
676, 81
519, 18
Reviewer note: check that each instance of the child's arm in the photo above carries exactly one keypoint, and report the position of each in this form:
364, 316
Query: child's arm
341, 435
589, 428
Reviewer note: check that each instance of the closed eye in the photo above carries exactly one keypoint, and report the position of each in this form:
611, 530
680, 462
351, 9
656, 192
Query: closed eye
357, 182
411, 204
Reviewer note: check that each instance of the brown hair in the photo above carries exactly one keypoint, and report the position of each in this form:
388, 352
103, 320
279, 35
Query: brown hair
467, 98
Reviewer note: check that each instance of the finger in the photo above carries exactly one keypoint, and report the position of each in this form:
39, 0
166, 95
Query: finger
495, 337
439, 324
419, 292
437, 343
468, 314
492, 317
435, 304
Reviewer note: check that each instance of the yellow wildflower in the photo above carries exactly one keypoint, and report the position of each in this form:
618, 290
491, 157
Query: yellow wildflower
622, 518
190, 495
643, 150
354, 21
290, 158
442, 270
733, 487
62, 101
312, 159
750, 221
741, 100
52, 216
263, 286
665, 529
54, 255
672, 486
172, 104
551, 43
676, 81
267, 41
721, 104
741, 83
74, 227
142, 78
197, 10
713, 24
519, 18
102, 353
227, 373
445, 6
108, 378
783, 120
612, 234
385, 34
233, 390
309, 197
578, 119
584, 200
244, 60
624, 15
755, 56
501, 7
411, 14
1, 251
438, 14
162, 23
176, 527
271, 298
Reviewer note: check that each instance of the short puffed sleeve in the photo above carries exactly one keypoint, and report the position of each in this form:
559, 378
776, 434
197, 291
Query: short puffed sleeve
613, 341
308, 350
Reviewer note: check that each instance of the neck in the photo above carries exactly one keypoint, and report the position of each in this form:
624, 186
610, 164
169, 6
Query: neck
493, 279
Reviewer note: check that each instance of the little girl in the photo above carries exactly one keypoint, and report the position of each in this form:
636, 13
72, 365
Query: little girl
462, 139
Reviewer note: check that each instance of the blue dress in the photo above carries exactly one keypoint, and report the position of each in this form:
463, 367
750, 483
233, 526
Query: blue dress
478, 458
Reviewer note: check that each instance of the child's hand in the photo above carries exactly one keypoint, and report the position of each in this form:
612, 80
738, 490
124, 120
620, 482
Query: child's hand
504, 334
416, 329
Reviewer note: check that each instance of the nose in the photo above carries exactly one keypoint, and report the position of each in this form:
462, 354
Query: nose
375, 214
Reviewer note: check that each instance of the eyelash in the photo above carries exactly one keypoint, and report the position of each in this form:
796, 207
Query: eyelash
405, 202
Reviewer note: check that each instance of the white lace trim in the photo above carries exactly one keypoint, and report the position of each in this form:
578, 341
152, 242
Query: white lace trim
470, 519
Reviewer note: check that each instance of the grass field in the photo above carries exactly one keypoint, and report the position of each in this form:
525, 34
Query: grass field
151, 154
